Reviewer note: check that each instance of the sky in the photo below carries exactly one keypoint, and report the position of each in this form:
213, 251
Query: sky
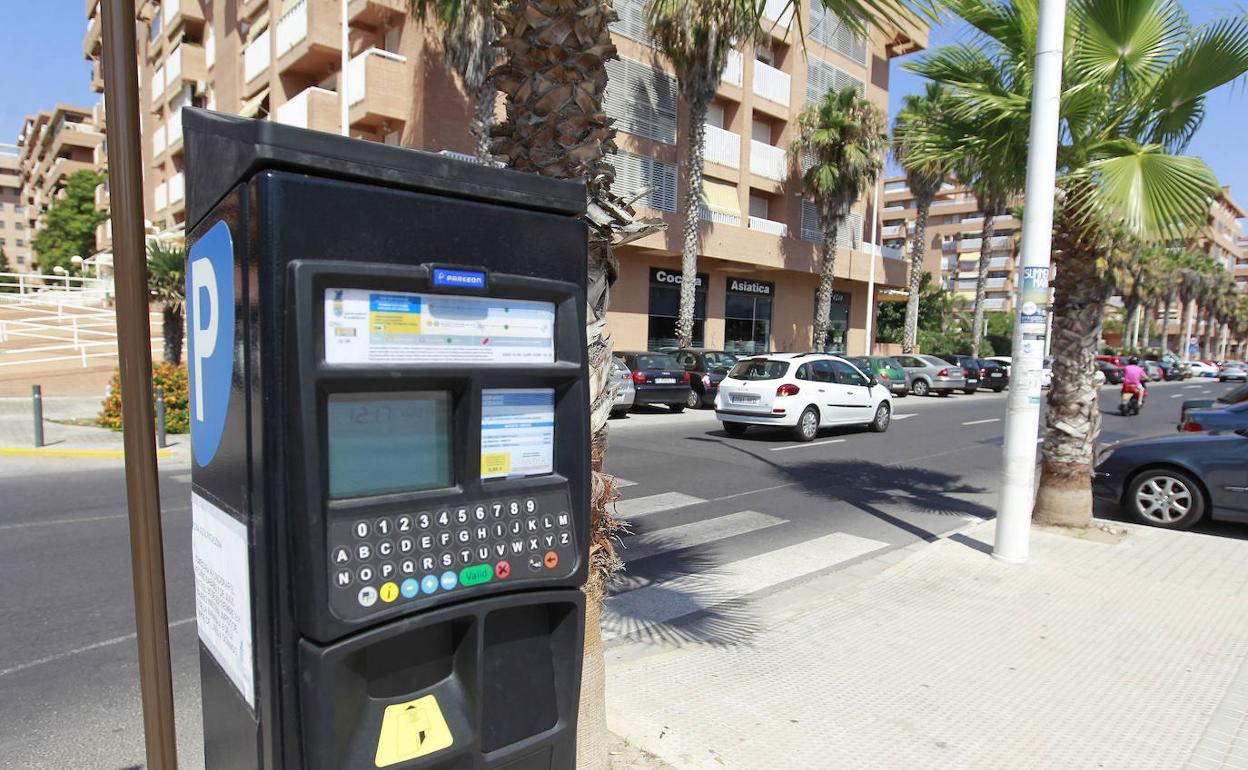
41, 64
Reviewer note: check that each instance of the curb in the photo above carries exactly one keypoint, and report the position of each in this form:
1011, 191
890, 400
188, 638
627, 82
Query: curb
114, 454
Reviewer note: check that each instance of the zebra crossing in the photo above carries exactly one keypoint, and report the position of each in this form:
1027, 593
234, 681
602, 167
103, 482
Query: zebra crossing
639, 604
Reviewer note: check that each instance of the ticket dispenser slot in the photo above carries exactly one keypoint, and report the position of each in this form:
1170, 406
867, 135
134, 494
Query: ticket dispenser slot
403, 456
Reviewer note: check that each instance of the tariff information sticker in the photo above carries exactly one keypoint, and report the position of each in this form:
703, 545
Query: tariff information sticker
517, 432
364, 326
222, 592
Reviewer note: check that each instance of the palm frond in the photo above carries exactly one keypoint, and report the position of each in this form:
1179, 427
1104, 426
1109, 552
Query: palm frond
1154, 194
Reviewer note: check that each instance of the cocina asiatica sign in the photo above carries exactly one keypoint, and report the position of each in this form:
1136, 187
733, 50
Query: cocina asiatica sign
210, 338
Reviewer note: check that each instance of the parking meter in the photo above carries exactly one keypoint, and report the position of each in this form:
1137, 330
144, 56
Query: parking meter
389, 411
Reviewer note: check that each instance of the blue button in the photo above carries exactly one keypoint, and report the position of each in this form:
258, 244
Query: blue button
429, 583
409, 588
449, 579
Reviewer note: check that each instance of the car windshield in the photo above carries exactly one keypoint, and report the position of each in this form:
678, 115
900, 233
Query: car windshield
759, 369
719, 362
1237, 396
862, 362
891, 364
657, 361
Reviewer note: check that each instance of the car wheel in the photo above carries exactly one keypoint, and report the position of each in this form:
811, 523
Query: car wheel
807, 425
921, 388
693, 400
735, 428
676, 408
883, 416
618, 412
1164, 497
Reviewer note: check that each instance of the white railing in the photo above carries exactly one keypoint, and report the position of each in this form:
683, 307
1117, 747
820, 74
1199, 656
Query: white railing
768, 161
994, 304
173, 67
999, 263
734, 70
772, 84
162, 196
292, 28
969, 244
887, 252
60, 324
173, 129
177, 187
966, 285
357, 72
891, 231
719, 217
171, 8
999, 242
972, 223
158, 141
256, 57
893, 208
295, 111
769, 226
158, 84
780, 11
210, 48
996, 283
722, 147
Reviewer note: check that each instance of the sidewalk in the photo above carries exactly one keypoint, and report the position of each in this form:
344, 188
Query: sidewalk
62, 438
1107, 652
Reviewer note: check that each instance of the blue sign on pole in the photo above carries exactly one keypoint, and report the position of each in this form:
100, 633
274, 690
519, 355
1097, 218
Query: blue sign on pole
210, 338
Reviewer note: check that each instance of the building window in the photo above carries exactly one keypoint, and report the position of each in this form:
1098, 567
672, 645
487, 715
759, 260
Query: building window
21, 260
18, 226
632, 21
846, 234
747, 315
20, 243
828, 29
822, 77
641, 99
638, 172
665, 305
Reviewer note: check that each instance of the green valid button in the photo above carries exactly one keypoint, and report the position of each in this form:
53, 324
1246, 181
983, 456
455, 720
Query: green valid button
476, 575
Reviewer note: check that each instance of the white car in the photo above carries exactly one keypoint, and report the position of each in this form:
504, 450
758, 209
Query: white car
625, 390
1201, 369
802, 392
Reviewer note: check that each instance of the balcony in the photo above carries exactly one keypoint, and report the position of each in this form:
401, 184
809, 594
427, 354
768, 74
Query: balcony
314, 108
964, 285
999, 242
378, 88
768, 161
256, 59
98, 115
173, 130
61, 170
892, 231
718, 217
1000, 263
969, 244
309, 37
177, 188
158, 142
373, 13
178, 13
158, 86
97, 76
994, 304
186, 64
771, 84
91, 46
998, 283
101, 196
734, 70
779, 13
722, 147
768, 226
161, 197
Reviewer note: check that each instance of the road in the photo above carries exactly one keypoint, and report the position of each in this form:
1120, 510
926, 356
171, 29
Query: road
720, 525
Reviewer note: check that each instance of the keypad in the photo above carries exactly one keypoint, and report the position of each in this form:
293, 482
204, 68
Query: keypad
378, 562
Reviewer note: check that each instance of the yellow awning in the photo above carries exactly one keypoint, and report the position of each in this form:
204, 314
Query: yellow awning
721, 197
970, 256
251, 107
259, 25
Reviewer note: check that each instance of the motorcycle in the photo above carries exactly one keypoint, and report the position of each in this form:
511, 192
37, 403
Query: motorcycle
1132, 399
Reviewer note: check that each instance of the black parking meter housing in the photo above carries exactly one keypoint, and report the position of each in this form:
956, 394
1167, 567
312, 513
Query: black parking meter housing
415, 518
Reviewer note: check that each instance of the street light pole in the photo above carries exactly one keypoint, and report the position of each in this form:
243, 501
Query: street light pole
344, 106
875, 244
1022, 422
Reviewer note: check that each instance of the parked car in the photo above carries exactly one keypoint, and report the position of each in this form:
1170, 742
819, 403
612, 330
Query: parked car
1234, 370
1154, 370
625, 391
802, 392
706, 368
1110, 371
1175, 481
1237, 396
887, 370
1216, 418
993, 375
929, 374
658, 379
1201, 369
970, 368
1046, 368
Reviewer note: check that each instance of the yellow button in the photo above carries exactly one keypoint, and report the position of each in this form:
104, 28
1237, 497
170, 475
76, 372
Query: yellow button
389, 592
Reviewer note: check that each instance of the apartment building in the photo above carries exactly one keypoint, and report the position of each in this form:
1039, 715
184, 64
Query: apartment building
1224, 239
52, 146
1241, 263
280, 60
954, 241
14, 238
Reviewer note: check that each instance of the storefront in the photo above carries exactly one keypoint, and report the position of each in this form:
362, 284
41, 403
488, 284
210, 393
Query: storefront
665, 305
747, 315
838, 322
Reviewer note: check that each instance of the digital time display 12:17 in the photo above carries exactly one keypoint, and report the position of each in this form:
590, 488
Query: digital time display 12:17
383, 443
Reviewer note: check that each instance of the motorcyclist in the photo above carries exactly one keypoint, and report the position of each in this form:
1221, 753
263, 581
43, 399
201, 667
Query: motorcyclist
1133, 377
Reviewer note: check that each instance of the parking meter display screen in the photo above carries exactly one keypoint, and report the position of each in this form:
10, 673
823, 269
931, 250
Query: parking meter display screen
381, 443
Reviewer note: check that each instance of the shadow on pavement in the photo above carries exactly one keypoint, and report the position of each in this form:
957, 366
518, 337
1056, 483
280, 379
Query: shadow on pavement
1228, 529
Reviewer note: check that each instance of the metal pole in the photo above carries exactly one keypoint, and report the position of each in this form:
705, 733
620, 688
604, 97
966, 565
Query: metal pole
160, 419
125, 181
36, 397
875, 242
344, 106
1022, 422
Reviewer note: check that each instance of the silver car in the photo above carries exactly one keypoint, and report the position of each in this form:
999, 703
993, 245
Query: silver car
625, 391
929, 374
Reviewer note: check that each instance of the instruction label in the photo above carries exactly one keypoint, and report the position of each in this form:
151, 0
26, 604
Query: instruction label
222, 592
410, 730
517, 432
364, 326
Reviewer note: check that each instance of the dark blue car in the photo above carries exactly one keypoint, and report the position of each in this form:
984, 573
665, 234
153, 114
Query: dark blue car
1175, 481
1225, 418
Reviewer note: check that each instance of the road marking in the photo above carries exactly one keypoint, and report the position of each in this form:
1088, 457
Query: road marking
82, 519
1189, 387
80, 650
185, 478
696, 533
621, 483
804, 446
670, 599
644, 506
115, 454
905, 416
981, 422
1177, 395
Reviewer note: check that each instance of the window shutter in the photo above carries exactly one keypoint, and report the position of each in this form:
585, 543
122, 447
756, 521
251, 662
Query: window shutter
641, 99
634, 172
847, 235
827, 29
632, 21
822, 77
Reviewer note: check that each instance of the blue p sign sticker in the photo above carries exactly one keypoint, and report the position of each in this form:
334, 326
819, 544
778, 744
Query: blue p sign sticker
210, 338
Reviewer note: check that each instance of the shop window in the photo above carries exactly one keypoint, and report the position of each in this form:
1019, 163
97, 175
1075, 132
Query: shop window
838, 322
747, 316
665, 306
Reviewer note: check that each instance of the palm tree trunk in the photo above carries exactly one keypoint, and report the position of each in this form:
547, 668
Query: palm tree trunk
483, 121
918, 250
171, 330
981, 282
823, 297
1073, 419
1150, 310
693, 220
1210, 322
1165, 322
1188, 328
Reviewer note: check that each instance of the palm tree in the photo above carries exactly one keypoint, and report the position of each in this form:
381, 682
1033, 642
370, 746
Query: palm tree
1136, 276
994, 199
1192, 284
469, 30
1135, 77
842, 137
924, 178
166, 280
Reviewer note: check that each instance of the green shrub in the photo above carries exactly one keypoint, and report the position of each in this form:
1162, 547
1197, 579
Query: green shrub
177, 403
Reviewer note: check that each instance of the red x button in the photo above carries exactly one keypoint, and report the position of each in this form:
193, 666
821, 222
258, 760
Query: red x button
502, 570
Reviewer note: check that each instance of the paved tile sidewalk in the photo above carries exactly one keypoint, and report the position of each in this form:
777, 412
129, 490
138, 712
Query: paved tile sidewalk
1093, 655
62, 440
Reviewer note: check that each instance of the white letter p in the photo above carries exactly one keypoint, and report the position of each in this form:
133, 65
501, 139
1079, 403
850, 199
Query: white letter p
203, 277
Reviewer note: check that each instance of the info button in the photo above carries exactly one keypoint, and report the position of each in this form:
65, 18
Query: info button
476, 574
